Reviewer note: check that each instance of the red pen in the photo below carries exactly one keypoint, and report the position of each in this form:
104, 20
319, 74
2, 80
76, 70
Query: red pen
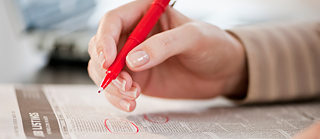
138, 35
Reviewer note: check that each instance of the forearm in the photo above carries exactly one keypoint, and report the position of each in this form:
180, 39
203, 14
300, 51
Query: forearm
283, 61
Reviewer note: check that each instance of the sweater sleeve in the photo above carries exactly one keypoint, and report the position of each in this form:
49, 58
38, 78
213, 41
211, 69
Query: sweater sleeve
283, 61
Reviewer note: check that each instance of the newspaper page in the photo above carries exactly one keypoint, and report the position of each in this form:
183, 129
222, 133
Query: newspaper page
78, 112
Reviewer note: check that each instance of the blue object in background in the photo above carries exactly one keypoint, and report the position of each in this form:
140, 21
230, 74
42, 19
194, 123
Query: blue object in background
44, 14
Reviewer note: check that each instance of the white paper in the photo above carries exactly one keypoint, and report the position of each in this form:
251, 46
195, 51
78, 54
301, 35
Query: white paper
77, 111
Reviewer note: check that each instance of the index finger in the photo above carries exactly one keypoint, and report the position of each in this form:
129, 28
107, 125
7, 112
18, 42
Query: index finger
115, 22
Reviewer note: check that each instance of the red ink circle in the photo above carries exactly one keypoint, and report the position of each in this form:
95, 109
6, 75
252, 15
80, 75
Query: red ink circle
105, 123
164, 119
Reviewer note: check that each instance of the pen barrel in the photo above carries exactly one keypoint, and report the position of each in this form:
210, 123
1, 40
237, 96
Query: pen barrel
148, 21
120, 60
139, 34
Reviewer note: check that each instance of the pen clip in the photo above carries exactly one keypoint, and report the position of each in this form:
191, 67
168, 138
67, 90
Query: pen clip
172, 2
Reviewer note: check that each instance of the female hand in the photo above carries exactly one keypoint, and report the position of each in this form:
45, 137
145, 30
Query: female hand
182, 58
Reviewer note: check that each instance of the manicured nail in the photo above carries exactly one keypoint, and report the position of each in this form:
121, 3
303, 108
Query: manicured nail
124, 104
138, 59
131, 93
120, 83
102, 59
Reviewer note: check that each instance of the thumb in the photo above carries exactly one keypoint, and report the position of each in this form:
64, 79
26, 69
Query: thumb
161, 46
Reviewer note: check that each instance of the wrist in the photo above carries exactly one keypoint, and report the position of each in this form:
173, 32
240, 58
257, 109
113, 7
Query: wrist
237, 84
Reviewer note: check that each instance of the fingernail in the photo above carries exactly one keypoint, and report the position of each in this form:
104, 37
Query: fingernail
131, 93
120, 83
124, 104
102, 59
138, 59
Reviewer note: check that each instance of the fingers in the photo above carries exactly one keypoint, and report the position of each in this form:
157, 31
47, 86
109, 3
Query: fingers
113, 27
123, 104
94, 75
131, 94
123, 81
112, 24
94, 66
160, 47
123, 92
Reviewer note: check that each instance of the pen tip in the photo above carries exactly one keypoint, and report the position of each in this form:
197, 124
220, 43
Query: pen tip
100, 90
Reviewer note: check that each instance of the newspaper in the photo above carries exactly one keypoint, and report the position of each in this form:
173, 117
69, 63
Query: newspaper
78, 112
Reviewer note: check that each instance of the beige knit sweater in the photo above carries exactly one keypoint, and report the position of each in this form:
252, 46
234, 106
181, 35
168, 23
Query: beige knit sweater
283, 60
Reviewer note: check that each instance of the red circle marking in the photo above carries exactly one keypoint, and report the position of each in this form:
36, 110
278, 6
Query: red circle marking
146, 117
105, 123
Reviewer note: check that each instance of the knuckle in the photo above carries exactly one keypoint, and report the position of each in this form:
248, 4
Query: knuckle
100, 43
108, 15
89, 68
99, 47
165, 41
162, 44
91, 44
111, 13
92, 41
198, 28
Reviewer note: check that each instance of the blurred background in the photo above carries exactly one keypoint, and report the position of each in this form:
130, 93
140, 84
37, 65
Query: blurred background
45, 41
